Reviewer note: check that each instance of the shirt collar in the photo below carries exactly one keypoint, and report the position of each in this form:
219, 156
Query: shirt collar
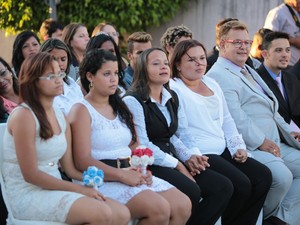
166, 96
273, 75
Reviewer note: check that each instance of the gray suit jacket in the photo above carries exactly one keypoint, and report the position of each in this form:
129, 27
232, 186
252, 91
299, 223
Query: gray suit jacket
254, 111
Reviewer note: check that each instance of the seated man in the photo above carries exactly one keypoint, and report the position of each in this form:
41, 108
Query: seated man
137, 42
285, 86
254, 108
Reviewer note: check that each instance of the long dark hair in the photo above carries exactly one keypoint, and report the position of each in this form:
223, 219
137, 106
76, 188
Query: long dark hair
14, 79
140, 84
97, 41
32, 68
92, 62
17, 55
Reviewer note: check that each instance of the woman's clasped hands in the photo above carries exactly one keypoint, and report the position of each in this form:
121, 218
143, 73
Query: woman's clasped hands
196, 164
134, 177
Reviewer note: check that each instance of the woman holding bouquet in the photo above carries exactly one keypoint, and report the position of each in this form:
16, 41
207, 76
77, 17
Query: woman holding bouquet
156, 113
216, 135
104, 136
37, 138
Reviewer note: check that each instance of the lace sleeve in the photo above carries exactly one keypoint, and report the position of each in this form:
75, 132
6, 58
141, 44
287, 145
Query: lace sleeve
234, 143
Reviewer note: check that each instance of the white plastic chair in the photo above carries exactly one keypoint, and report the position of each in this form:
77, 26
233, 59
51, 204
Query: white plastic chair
11, 220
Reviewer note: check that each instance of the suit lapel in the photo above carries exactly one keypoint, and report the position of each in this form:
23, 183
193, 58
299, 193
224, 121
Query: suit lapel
257, 78
273, 86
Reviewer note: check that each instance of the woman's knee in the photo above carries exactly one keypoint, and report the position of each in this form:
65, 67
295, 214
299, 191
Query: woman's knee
150, 205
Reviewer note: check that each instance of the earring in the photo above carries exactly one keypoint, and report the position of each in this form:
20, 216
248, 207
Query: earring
178, 69
91, 85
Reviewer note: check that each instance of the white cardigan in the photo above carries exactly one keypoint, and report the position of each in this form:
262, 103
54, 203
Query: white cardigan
209, 135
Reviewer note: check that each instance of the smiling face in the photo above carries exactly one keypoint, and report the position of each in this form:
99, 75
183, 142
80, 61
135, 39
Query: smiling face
278, 55
192, 65
237, 55
6, 80
158, 68
30, 47
105, 81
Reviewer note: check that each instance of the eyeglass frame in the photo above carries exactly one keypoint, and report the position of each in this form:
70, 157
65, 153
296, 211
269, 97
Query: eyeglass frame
52, 76
112, 34
239, 43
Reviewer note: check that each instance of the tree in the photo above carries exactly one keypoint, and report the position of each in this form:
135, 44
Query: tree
127, 15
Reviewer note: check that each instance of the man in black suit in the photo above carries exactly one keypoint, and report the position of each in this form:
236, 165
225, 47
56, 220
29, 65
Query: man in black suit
285, 86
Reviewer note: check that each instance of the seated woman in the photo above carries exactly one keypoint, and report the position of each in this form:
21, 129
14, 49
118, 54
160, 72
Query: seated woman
37, 138
103, 132
9, 89
216, 135
72, 93
26, 44
156, 115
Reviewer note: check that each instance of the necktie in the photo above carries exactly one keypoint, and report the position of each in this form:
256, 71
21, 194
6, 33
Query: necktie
248, 76
279, 84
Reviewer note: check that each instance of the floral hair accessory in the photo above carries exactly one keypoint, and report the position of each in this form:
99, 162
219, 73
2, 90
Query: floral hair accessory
93, 177
141, 158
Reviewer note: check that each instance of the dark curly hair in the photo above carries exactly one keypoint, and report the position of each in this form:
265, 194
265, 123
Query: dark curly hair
92, 62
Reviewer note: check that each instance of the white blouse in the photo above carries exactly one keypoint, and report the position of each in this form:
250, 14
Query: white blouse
209, 120
160, 157
72, 94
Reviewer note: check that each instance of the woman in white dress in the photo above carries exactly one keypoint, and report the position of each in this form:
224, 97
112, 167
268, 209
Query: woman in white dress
37, 138
104, 135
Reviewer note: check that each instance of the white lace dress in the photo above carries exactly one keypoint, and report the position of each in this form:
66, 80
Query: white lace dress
110, 140
30, 202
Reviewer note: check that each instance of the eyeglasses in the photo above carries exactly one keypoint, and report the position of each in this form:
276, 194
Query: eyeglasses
113, 34
53, 76
239, 43
4, 72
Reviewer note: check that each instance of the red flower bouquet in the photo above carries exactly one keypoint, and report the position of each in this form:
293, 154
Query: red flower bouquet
141, 158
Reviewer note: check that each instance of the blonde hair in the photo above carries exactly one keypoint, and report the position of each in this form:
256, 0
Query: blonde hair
231, 25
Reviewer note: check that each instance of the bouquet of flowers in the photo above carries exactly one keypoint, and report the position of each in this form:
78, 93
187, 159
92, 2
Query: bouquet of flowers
141, 158
93, 177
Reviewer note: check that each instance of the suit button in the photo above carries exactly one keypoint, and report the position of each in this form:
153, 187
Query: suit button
167, 144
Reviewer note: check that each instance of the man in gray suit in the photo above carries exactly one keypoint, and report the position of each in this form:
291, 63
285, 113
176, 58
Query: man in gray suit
254, 108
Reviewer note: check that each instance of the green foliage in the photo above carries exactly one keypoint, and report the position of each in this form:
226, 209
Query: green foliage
127, 15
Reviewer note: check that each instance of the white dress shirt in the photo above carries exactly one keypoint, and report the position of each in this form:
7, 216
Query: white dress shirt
160, 157
72, 94
209, 120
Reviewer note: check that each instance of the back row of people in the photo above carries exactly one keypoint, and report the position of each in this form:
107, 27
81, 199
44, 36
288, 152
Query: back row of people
201, 163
